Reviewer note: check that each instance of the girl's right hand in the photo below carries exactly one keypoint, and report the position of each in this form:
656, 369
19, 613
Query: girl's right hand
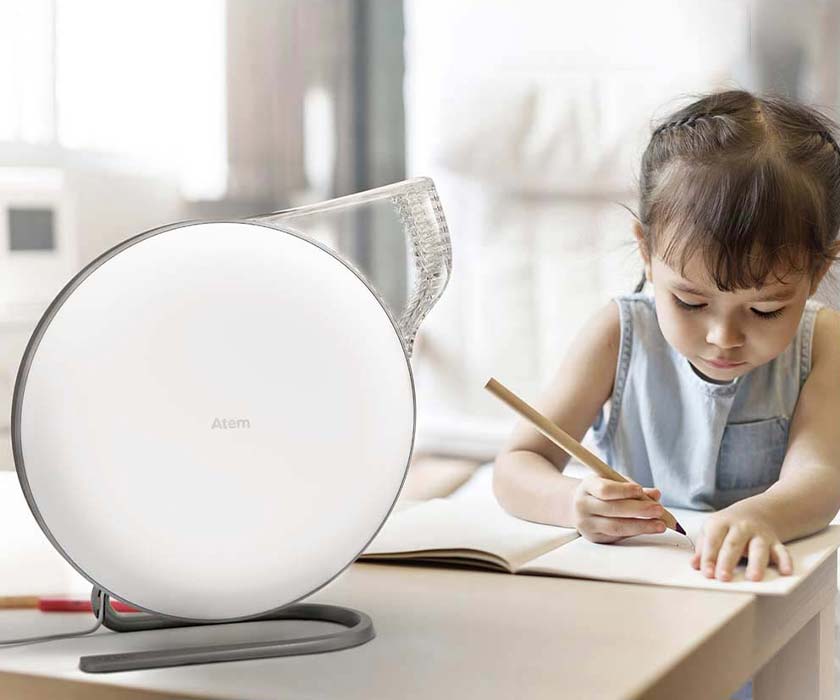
608, 511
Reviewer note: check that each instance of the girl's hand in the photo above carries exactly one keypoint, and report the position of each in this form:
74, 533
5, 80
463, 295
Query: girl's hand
608, 511
731, 534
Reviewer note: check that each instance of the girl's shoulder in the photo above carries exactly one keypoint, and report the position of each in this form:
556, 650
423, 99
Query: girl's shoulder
637, 314
825, 345
640, 302
644, 298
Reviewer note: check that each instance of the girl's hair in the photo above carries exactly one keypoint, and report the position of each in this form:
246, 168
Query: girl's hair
752, 182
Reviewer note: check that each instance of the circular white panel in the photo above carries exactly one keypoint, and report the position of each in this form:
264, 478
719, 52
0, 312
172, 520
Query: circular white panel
212, 420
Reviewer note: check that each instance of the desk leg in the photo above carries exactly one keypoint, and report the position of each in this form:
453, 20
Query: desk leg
804, 667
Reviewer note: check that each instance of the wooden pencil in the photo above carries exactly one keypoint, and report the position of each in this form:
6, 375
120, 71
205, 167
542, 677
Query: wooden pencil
566, 442
18, 601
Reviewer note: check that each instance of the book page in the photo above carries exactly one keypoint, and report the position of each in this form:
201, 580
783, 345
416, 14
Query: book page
465, 526
666, 560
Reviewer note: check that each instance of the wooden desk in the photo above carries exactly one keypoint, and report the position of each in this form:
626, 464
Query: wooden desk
444, 633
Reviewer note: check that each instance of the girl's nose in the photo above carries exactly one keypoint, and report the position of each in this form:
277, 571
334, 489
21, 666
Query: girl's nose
725, 335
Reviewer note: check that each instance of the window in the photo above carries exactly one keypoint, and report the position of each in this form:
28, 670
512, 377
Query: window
141, 80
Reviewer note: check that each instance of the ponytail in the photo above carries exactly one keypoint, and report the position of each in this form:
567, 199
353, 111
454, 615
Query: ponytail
641, 285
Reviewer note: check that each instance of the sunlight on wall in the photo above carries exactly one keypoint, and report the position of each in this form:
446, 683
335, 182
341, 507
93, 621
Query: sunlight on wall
147, 79
144, 80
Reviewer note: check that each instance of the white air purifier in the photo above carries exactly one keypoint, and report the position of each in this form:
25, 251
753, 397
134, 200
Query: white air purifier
213, 419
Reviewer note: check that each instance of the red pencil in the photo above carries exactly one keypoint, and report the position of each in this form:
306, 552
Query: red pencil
74, 605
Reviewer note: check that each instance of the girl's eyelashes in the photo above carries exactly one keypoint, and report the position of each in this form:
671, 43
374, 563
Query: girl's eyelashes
769, 314
687, 307
696, 307
683, 305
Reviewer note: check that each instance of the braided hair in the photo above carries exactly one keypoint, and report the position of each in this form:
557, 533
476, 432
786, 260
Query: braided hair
753, 182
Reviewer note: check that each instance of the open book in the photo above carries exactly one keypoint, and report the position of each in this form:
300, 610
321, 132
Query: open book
469, 528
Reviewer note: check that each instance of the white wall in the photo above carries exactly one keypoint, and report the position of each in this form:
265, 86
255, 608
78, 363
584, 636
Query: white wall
108, 200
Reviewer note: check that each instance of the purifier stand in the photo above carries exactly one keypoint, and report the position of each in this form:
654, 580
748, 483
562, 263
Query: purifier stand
359, 630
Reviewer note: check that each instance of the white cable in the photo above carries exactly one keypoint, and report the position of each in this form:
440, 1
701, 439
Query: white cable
23, 641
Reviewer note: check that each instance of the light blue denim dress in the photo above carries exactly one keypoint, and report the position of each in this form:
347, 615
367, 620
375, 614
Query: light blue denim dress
704, 445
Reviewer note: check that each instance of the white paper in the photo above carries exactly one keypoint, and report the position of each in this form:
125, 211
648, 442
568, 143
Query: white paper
665, 560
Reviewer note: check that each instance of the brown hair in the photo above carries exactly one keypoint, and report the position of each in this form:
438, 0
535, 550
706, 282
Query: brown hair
753, 182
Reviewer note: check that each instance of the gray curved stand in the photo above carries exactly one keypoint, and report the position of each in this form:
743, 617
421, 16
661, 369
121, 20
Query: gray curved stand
359, 630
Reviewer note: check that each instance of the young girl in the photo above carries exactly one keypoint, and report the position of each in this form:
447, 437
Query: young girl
724, 385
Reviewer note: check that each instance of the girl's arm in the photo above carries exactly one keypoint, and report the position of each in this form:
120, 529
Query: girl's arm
527, 476
807, 495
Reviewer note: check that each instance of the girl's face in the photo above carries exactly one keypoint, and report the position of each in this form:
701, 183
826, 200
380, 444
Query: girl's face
726, 334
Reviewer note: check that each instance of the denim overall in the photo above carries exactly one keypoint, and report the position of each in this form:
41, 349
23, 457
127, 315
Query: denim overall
704, 445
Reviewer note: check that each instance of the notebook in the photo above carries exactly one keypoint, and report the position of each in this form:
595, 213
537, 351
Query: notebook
469, 528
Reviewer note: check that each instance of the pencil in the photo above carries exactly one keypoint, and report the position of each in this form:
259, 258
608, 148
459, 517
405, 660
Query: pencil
57, 604
73, 605
566, 442
18, 601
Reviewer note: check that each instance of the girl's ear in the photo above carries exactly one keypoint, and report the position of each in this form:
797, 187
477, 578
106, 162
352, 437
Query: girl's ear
639, 233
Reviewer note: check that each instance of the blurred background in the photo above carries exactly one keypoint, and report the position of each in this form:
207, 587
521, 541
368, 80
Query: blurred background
531, 117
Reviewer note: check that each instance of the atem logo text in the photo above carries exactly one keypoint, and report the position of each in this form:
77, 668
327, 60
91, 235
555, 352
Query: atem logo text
230, 424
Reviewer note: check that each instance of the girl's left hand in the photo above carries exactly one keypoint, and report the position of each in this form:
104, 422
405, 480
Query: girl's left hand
729, 535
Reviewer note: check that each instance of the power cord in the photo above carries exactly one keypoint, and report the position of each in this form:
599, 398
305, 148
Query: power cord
23, 641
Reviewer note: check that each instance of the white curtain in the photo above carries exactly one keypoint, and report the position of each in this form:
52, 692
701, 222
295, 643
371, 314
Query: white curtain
281, 55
